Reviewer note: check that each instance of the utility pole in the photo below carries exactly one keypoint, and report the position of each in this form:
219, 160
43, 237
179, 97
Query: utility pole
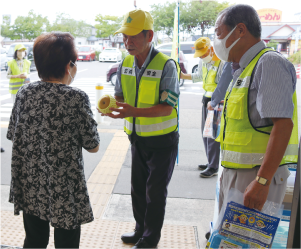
297, 36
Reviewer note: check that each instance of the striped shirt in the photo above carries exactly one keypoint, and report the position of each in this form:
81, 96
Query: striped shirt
272, 88
169, 85
20, 65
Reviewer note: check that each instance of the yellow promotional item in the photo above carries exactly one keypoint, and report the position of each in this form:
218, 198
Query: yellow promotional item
105, 103
135, 21
147, 94
201, 46
19, 47
242, 145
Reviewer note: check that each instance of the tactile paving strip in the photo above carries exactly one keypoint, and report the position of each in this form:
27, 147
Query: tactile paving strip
102, 233
104, 176
99, 234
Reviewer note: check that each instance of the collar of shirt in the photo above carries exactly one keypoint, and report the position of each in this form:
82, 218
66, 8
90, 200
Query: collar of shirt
209, 65
251, 53
146, 60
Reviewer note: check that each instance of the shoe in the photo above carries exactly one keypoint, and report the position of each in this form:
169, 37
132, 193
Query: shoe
209, 172
143, 244
131, 237
2, 150
203, 166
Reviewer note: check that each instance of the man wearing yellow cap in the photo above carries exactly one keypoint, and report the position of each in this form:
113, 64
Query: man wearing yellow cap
216, 76
148, 85
18, 70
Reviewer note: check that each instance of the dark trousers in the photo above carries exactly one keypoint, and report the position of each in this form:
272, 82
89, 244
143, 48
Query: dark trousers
37, 233
212, 148
151, 174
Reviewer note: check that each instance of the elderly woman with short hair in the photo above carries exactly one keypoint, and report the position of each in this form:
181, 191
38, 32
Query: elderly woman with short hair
50, 124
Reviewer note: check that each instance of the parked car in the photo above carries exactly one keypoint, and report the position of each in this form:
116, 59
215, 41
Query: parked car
85, 53
112, 69
3, 57
188, 50
110, 54
183, 62
29, 52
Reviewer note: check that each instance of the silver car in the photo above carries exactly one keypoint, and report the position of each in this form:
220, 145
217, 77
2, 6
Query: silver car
3, 58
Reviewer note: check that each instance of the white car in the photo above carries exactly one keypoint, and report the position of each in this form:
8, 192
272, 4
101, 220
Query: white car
110, 54
188, 50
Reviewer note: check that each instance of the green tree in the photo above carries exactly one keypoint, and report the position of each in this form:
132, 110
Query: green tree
272, 43
6, 28
107, 25
295, 58
163, 15
200, 15
28, 27
65, 23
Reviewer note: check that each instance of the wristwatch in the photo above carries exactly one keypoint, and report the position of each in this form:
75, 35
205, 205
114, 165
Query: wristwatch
262, 181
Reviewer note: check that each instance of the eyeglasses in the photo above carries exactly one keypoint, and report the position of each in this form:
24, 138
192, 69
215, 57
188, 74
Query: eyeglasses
73, 63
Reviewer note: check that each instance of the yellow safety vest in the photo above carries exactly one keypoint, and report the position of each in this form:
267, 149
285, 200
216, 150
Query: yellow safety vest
242, 145
147, 95
209, 84
15, 84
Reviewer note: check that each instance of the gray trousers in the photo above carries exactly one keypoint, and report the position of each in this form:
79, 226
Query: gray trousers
212, 148
241, 178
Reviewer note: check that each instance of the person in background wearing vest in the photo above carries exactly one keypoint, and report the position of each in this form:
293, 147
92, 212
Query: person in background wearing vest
148, 85
259, 135
216, 76
18, 70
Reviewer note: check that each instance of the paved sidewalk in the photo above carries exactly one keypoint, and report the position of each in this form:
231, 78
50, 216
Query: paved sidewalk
186, 219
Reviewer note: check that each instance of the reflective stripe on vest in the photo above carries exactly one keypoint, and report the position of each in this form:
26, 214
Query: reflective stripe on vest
16, 83
209, 84
148, 95
253, 158
242, 145
152, 127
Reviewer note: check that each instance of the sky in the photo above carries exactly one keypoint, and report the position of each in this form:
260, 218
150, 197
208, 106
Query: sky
88, 9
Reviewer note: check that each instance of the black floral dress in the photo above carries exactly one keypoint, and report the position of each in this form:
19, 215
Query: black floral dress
49, 125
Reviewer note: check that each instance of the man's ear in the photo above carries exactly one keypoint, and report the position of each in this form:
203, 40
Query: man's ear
150, 35
242, 29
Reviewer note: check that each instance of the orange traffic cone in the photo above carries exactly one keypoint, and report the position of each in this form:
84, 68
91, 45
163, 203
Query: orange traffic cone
298, 71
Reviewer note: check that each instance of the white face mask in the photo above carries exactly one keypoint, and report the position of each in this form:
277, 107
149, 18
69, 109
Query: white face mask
72, 78
220, 49
207, 59
20, 54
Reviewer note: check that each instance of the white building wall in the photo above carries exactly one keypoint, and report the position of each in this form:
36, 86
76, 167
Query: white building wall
79, 41
285, 31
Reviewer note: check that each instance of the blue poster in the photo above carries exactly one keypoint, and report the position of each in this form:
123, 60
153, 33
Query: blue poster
248, 226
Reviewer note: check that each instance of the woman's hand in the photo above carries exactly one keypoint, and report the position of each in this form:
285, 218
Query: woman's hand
209, 106
19, 76
182, 75
23, 75
185, 76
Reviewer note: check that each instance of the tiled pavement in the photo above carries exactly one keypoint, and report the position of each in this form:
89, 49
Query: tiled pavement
102, 233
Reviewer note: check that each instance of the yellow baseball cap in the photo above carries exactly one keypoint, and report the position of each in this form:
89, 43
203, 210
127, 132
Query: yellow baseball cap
135, 21
19, 47
201, 46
